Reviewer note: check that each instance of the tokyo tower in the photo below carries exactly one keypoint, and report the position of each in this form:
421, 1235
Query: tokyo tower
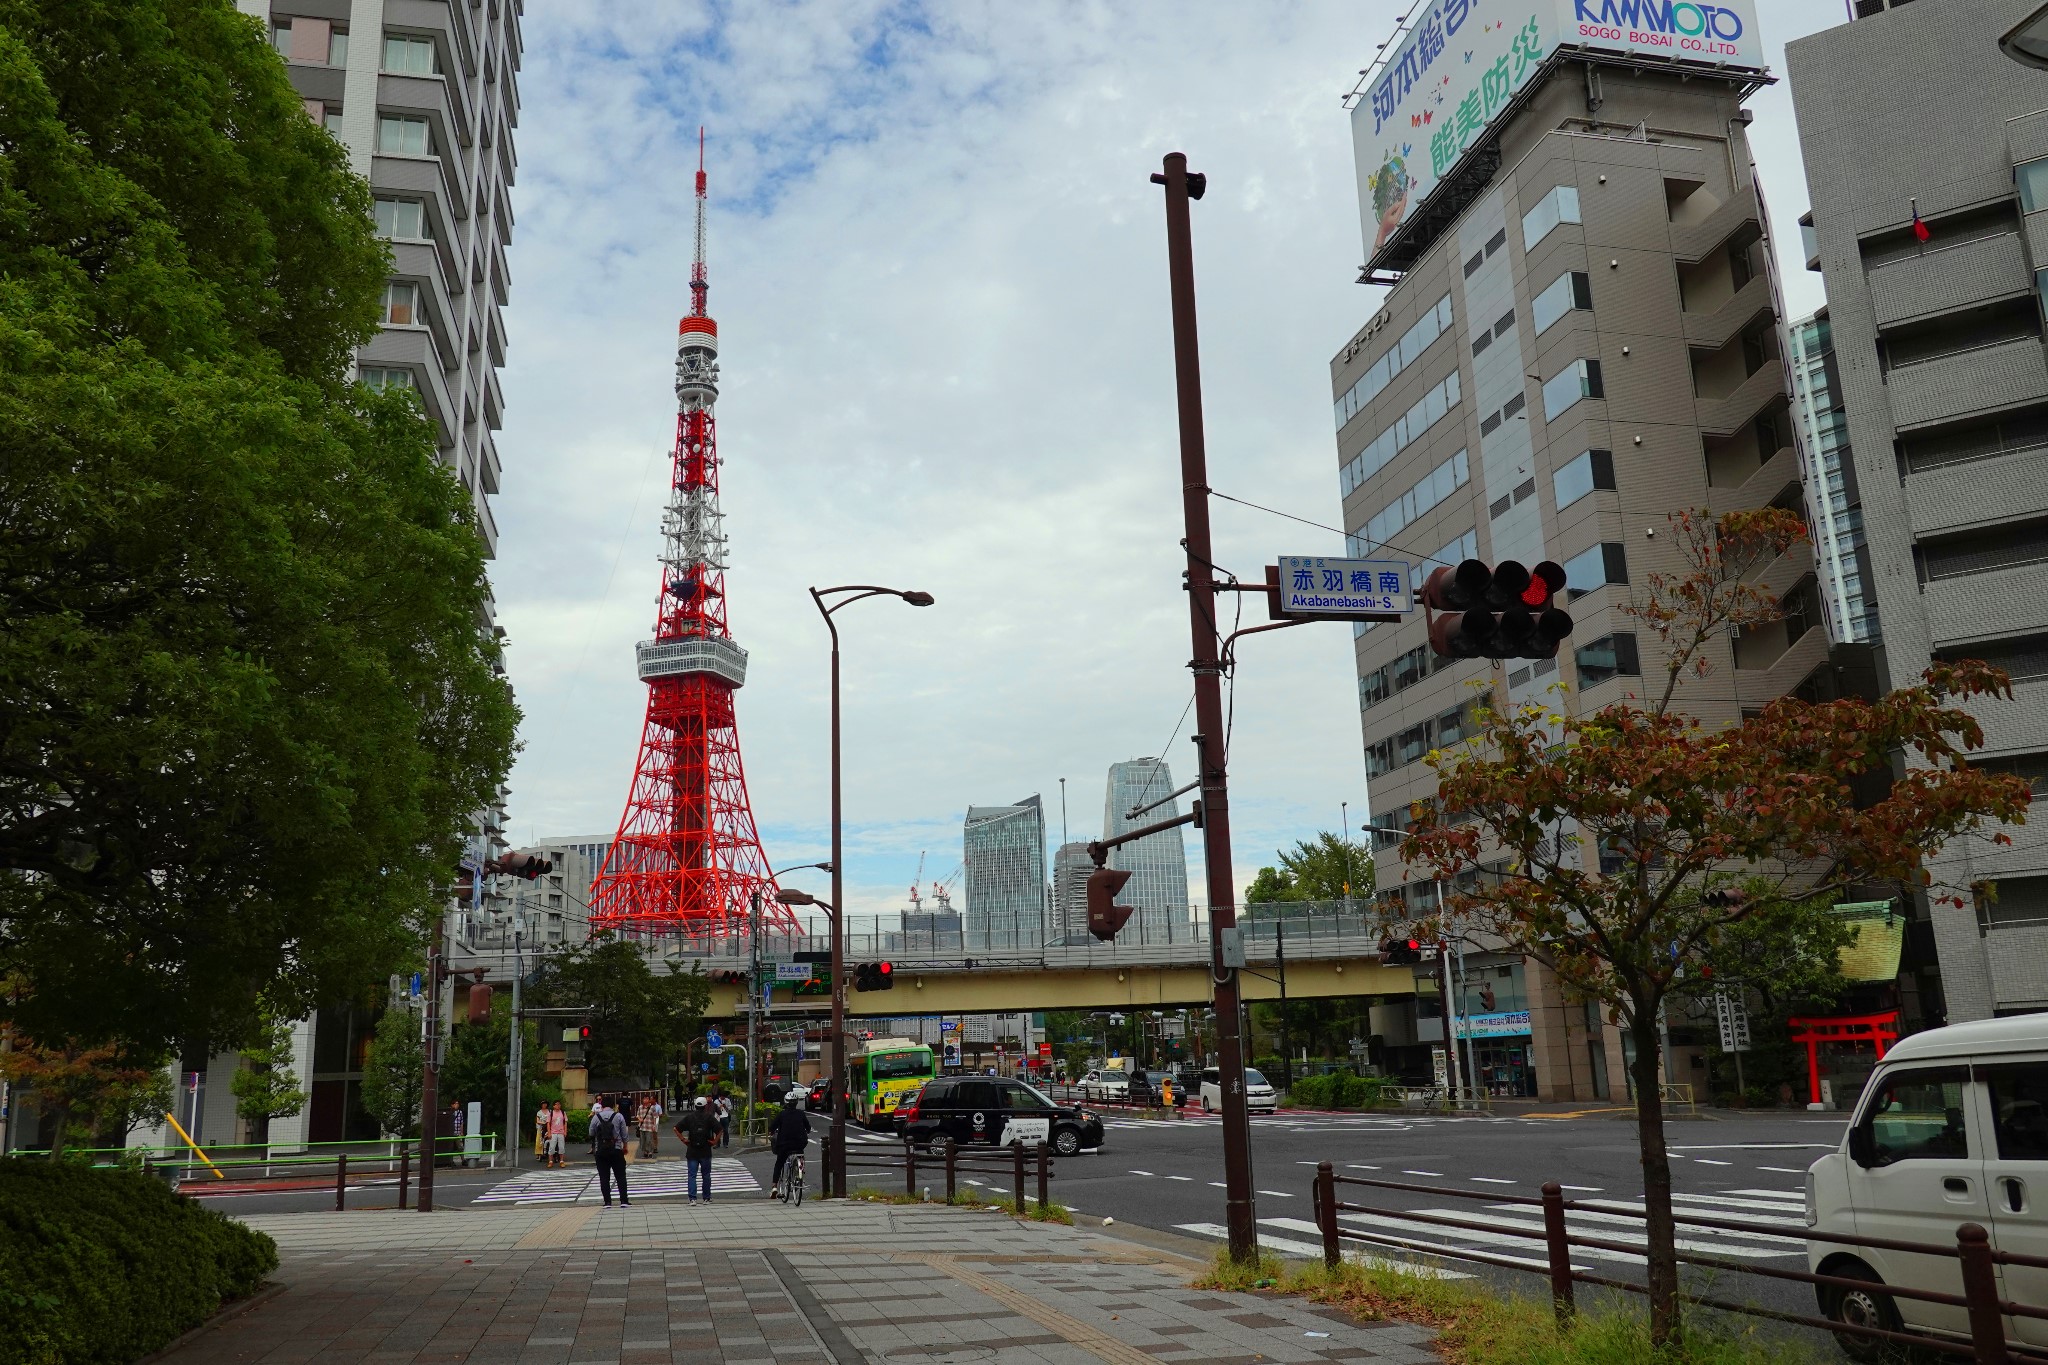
687, 858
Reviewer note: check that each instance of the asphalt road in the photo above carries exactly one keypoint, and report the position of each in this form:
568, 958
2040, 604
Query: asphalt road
1166, 1175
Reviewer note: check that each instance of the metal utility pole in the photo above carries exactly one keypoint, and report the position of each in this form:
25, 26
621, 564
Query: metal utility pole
514, 1131
1241, 1212
430, 1068
1286, 1037
753, 1012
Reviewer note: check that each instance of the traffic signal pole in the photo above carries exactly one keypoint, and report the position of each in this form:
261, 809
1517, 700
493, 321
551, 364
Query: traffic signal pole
1241, 1213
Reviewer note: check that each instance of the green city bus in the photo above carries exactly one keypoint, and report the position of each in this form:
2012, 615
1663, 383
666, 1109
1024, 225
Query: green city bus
881, 1075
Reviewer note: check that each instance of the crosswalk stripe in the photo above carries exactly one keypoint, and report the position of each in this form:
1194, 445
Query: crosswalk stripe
649, 1179
1724, 1245
1631, 1221
1315, 1249
1391, 1225
1784, 1196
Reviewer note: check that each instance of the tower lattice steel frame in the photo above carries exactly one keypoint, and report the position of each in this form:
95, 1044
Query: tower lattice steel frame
687, 857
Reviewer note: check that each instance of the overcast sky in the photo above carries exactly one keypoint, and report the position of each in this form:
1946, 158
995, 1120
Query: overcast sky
938, 270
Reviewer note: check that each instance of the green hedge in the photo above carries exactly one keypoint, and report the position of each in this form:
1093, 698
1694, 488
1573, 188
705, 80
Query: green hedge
1337, 1090
103, 1266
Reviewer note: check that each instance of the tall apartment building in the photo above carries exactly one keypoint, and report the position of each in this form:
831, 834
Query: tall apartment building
1944, 388
1834, 502
1004, 854
1158, 863
1582, 337
547, 912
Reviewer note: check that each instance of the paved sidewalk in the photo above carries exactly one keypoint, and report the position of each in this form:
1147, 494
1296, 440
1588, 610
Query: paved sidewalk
749, 1282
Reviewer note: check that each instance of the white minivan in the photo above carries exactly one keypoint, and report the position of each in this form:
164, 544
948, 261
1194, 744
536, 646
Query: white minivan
1952, 1128
1259, 1096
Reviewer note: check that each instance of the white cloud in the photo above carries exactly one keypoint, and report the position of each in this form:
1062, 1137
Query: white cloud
939, 273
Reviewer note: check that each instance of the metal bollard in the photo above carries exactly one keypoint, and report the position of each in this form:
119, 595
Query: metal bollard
1560, 1248
952, 1155
1017, 1154
1326, 1213
1044, 1175
404, 1174
1980, 1288
341, 1182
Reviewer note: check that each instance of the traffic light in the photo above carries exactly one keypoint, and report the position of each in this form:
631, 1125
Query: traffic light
1725, 898
1502, 612
523, 865
1400, 952
726, 978
874, 976
1105, 916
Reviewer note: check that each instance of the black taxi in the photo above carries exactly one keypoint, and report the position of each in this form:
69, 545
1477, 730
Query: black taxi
994, 1110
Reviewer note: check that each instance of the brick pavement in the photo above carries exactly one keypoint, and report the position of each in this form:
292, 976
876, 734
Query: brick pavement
757, 1284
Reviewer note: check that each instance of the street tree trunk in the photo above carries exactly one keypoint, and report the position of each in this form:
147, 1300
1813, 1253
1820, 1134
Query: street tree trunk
1662, 1249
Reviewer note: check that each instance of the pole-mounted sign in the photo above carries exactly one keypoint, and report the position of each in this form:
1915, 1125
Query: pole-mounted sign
1322, 588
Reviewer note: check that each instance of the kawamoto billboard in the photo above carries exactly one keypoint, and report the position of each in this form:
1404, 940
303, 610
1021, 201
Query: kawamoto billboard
1462, 61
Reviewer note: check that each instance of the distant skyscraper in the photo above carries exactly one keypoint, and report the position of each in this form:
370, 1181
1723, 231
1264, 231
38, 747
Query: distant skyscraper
1841, 560
1004, 850
1070, 869
1158, 863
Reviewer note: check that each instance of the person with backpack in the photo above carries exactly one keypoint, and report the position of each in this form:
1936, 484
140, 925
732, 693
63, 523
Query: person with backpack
608, 1146
724, 1121
698, 1129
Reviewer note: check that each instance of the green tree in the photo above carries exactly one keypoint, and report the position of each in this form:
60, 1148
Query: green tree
250, 705
640, 1017
478, 1062
88, 1092
267, 1087
392, 1073
1327, 868
1601, 844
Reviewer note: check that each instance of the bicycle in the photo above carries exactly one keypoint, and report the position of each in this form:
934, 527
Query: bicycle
793, 1181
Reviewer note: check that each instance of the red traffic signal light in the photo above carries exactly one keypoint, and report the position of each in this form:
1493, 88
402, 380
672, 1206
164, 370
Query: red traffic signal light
874, 976
524, 865
583, 1034
1105, 916
1504, 611
1397, 952
887, 972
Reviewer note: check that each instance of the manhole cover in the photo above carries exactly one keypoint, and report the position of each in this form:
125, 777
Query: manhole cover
956, 1355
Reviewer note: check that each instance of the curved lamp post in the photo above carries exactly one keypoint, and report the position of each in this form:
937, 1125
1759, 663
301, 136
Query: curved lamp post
835, 1149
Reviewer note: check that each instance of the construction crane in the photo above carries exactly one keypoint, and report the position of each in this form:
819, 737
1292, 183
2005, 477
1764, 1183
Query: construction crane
917, 901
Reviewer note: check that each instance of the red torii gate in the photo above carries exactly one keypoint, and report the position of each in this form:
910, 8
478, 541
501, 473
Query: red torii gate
1879, 1029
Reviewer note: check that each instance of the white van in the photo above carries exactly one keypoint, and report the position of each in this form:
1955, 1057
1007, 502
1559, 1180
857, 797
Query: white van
1952, 1128
1259, 1096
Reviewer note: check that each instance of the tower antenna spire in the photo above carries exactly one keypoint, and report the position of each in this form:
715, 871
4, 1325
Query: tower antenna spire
700, 284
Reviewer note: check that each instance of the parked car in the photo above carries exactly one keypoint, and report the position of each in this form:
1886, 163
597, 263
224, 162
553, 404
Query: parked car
1106, 1086
1951, 1128
1259, 1095
996, 1110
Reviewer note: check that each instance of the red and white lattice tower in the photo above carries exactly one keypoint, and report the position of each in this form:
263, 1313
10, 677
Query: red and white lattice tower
687, 858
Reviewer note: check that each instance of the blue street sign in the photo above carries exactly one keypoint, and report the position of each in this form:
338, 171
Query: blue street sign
712, 1038
732, 1063
415, 985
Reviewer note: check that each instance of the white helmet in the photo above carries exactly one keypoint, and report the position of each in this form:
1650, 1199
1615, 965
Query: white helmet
701, 1102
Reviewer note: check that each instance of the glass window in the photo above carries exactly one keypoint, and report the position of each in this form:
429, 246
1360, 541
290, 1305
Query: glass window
1613, 657
1252, 1076
337, 48
1597, 567
1404, 352
381, 378
1580, 379
1022, 1098
403, 218
402, 136
1809, 238
333, 121
1428, 410
1454, 553
1919, 1116
401, 304
1446, 479
1561, 205
2033, 182
281, 37
1571, 290
413, 56
1592, 469
2019, 1108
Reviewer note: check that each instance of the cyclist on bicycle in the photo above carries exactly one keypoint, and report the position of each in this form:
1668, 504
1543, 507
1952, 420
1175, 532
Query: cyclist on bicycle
788, 1137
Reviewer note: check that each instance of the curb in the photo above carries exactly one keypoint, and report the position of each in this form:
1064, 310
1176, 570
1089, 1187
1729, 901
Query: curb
226, 1314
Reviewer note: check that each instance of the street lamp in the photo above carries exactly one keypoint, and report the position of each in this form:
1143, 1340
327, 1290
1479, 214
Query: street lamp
835, 1149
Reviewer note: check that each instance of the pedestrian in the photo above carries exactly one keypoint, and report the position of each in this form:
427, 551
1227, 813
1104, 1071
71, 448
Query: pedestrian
724, 1121
654, 1139
540, 1130
558, 1136
698, 1128
645, 1121
608, 1146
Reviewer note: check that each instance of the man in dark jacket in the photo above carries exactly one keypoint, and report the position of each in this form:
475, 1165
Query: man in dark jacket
608, 1145
699, 1131
790, 1134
